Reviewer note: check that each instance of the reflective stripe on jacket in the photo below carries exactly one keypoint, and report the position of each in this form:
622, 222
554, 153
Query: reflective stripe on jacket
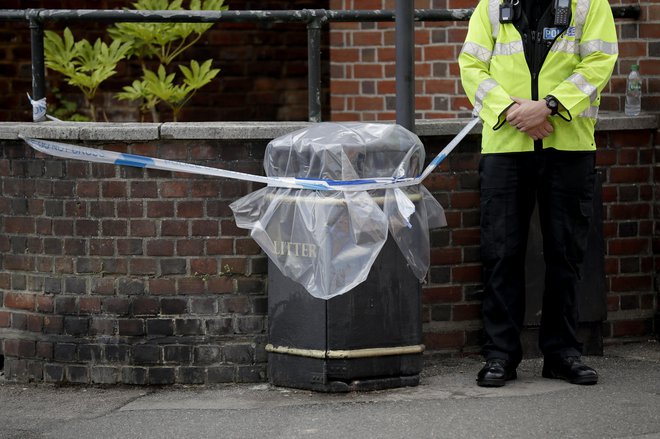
577, 68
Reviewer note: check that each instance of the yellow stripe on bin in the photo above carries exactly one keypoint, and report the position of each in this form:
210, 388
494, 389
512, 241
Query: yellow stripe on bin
348, 353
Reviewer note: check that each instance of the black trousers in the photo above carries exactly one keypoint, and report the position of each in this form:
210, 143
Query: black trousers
511, 184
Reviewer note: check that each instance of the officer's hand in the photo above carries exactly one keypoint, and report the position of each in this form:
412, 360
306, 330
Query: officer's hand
540, 131
528, 114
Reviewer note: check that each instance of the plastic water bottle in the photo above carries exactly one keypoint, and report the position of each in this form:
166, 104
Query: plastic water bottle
633, 92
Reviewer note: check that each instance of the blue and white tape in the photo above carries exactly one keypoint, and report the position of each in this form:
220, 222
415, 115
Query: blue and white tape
76, 152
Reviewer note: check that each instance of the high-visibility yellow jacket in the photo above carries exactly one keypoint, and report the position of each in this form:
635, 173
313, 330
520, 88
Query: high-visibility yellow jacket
577, 68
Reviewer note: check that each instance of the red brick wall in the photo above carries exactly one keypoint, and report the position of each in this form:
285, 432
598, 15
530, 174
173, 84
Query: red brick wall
263, 67
362, 63
126, 275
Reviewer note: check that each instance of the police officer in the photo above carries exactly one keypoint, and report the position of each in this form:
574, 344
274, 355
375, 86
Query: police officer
534, 70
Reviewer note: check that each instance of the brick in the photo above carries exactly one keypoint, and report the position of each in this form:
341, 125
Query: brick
189, 326
160, 247
219, 326
129, 209
173, 306
250, 374
65, 305
44, 350
145, 354
204, 228
160, 327
114, 189
64, 352
77, 374
446, 340
134, 375
191, 285
205, 189
145, 306
104, 375
76, 326
220, 374
19, 225
161, 375
204, 266
191, 375
35, 323
53, 373
117, 353
116, 305
101, 326
102, 286
239, 354
131, 287
189, 247
466, 312
89, 305
631, 283
142, 266
174, 189
441, 313
89, 353
101, 247
178, 354
207, 355
464, 274
174, 228
203, 305
238, 305
630, 328
4, 319
19, 301
53, 324
129, 247
75, 285
144, 228
144, 189
114, 227
219, 246
162, 287
19, 321
250, 325
190, 209
88, 265
131, 327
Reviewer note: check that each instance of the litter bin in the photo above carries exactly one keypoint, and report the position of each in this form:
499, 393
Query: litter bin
367, 338
344, 272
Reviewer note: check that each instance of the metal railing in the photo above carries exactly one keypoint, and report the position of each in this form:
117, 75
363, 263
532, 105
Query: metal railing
404, 16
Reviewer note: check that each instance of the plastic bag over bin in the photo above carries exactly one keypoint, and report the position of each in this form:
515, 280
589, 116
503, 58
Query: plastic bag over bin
328, 240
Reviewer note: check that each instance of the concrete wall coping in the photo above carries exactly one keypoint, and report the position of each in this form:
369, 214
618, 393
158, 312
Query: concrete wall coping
132, 132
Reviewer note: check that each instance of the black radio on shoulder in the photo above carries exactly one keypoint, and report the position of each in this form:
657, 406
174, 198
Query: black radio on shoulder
508, 11
562, 9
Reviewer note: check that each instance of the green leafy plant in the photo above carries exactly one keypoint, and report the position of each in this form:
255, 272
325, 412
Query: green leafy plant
65, 109
161, 86
84, 65
165, 42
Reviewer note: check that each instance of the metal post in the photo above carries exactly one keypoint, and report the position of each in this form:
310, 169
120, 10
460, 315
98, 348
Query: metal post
314, 69
38, 66
405, 64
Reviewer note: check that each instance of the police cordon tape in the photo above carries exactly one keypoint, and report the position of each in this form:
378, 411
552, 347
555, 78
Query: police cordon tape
67, 151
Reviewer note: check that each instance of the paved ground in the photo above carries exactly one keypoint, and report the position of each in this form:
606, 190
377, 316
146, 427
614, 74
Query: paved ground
447, 404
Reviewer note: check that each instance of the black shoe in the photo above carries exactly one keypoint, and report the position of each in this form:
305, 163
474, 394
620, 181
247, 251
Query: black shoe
496, 373
570, 369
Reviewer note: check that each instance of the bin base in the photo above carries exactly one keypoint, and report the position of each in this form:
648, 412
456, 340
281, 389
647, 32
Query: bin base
336, 375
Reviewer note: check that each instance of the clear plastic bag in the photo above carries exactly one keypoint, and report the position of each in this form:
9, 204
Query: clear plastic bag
328, 240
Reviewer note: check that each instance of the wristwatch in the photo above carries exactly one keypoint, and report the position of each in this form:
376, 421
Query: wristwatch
552, 103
